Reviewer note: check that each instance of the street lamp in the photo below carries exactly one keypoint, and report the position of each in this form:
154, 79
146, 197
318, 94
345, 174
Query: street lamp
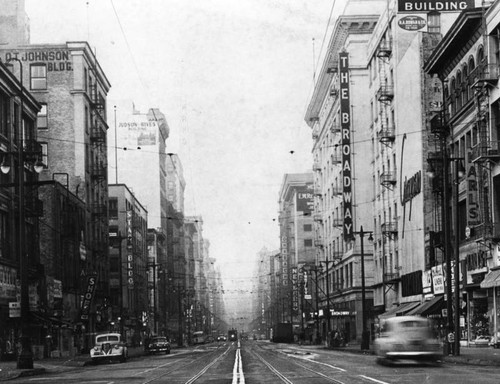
365, 335
25, 358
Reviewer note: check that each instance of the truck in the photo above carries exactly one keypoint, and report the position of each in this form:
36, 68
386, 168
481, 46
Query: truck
283, 333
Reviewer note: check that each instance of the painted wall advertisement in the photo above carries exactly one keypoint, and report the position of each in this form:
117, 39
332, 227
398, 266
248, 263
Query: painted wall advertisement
305, 199
140, 131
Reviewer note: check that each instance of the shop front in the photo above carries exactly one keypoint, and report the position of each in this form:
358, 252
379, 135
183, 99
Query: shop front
491, 283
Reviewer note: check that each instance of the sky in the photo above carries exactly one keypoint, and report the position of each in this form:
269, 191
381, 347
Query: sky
233, 79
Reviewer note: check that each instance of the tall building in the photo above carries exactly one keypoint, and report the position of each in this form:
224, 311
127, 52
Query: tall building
14, 23
68, 82
296, 242
18, 109
343, 173
408, 247
139, 156
465, 162
129, 289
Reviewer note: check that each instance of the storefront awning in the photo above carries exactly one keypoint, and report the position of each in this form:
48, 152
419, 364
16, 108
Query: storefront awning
430, 307
492, 279
399, 311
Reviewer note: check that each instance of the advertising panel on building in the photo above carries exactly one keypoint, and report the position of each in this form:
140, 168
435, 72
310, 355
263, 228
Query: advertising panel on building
423, 6
345, 125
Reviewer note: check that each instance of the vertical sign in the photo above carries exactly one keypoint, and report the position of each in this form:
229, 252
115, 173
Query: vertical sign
284, 260
345, 125
88, 296
130, 256
472, 196
295, 292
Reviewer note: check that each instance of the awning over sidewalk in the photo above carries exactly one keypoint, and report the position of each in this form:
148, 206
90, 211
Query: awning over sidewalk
400, 310
492, 279
430, 307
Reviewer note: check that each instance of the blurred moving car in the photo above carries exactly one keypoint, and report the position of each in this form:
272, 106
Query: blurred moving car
109, 346
495, 343
157, 344
482, 341
406, 337
221, 338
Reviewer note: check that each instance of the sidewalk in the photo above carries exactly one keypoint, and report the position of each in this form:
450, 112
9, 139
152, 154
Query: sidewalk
8, 369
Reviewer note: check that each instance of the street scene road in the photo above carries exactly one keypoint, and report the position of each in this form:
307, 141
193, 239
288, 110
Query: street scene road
264, 362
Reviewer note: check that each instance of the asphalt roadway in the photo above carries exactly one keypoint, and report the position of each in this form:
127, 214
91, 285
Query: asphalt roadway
8, 369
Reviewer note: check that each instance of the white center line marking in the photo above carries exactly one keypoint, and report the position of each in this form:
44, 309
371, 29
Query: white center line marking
374, 380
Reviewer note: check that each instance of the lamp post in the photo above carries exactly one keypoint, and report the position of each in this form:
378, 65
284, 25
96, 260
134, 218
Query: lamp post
452, 298
459, 172
365, 335
327, 264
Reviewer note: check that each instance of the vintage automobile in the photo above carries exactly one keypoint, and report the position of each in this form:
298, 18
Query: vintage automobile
482, 341
109, 346
407, 338
157, 344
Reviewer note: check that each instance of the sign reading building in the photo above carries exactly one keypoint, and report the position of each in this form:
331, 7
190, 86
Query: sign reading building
345, 126
424, 6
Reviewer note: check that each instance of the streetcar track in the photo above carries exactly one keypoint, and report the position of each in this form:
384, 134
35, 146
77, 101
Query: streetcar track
283, 378
179, 367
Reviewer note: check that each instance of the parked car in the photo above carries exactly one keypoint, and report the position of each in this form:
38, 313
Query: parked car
482, 341
406, 337
109, 346
157, 344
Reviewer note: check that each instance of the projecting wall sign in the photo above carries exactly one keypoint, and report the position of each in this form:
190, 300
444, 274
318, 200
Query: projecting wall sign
412, 23
345, 125
423, 6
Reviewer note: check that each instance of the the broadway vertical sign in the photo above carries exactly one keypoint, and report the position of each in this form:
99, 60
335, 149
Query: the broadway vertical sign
345, 125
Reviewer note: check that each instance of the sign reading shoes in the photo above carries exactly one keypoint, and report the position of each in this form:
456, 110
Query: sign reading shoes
423, 6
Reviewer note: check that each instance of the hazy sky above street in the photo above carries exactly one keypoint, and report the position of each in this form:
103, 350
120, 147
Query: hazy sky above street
233, 78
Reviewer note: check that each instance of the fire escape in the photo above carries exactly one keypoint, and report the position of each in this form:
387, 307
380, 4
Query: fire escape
486, 152
385, 95
386, 135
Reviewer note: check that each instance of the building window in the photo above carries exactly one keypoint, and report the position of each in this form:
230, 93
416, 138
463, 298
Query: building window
113, 208
85, 83
41, 119
308, 227
4, 114
45, 154
434, 22
4, 233
38, 74
308, 242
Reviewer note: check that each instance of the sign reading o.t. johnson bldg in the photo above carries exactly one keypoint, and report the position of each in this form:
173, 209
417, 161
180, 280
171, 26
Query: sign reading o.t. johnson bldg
423, 6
